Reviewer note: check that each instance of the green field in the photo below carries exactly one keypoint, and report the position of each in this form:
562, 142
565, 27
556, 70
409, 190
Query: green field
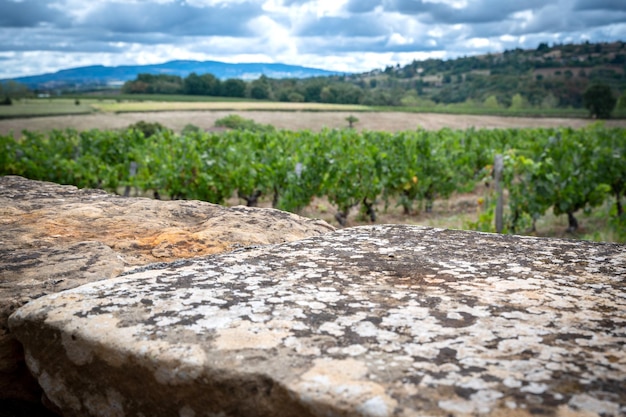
45, 107
128, 103
504, 112
153, 103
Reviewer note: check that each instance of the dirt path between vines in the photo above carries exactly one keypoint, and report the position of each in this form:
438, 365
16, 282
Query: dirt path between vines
296, 120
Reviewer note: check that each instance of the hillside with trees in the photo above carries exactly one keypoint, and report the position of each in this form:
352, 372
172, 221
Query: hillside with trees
548, 77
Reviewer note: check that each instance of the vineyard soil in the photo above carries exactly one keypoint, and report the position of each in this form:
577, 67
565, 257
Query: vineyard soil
292, 120
457, 212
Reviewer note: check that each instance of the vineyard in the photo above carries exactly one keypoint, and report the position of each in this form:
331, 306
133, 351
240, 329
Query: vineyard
565, 170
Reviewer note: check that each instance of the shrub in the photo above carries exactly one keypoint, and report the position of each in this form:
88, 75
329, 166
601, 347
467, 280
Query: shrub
236, 122
148, 128
190, 129
599, 100
351, 121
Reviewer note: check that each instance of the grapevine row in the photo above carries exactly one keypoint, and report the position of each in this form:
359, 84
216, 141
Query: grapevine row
564, 169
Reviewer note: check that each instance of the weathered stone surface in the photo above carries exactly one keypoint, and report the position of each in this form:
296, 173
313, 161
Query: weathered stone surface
36, 214
372, 321
55, 237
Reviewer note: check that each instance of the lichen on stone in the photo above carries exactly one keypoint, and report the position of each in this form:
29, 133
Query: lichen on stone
369, 321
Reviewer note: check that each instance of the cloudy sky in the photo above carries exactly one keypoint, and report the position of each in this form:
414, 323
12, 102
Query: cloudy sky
38, 36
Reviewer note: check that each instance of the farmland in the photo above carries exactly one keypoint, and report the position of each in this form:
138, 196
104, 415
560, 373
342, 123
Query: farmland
291, 120
40, 108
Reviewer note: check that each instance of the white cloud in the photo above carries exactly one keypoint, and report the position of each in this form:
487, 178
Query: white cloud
480, 43
524, 18
329, 7
436, 32
275, 38
343, 35
398, 39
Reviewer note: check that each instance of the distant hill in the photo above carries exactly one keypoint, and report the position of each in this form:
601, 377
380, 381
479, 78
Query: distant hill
548, 76
99, 75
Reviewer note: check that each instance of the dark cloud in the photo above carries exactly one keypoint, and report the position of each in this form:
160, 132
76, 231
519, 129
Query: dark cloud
341, 45
480, 11
339, 26
173, 18
612, 5
82, 40
409, 6
558, 21
28, 13
363, 28
362, 6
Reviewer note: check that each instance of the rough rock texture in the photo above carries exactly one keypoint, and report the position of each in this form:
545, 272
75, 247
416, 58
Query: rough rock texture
372, 321
55, 237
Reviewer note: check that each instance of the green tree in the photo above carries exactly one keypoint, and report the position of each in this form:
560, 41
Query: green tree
549, 102
351, 121
599, 100
621, 102
491, 102
234, 88
135, 87
206, 85
543, 47
260, 89
154, 84
295, 97
192, 84
14, 89
213, 86
518, 102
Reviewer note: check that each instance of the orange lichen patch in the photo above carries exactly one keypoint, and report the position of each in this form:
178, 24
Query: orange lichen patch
73, 230
176, 244
152, 244
136, 239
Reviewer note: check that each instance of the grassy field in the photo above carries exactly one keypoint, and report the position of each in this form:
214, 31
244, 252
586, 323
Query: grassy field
45, 107
130, 103
27, 108
503, 112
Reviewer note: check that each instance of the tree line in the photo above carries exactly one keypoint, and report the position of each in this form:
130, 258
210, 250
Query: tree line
315, 89
193, 84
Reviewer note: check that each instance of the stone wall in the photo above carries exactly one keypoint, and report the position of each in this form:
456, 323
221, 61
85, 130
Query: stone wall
371, 321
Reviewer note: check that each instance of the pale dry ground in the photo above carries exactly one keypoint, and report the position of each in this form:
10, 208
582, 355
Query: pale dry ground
144, 106
294, 120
